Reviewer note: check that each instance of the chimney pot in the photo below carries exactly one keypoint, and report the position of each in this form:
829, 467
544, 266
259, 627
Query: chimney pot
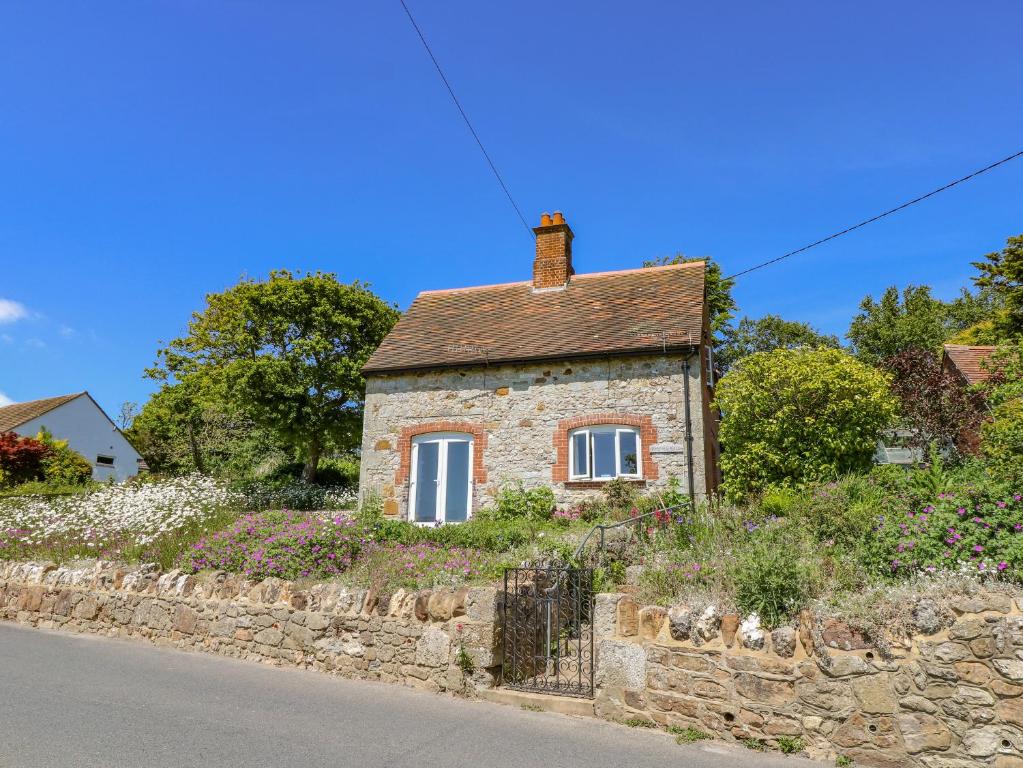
558, 218
545, 219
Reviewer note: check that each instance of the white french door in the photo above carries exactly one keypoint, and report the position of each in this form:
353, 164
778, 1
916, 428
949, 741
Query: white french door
440, 489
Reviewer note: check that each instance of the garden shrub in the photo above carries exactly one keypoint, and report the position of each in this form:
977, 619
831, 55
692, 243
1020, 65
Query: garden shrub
62, 465
774, 573
792, 417
517, 501
619, 494
21, 459
285, 544
976, 528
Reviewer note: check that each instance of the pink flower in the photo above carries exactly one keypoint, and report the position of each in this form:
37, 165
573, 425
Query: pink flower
978, 548
1002, 565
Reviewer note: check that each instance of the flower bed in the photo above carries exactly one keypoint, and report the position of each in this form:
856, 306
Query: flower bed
113, 521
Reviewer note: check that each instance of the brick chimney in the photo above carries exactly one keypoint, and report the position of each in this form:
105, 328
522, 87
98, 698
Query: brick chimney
553, 265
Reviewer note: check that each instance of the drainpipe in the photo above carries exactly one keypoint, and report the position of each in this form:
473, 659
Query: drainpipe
689, 436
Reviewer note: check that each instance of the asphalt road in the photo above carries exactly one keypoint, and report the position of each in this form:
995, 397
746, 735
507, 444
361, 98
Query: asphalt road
73, 700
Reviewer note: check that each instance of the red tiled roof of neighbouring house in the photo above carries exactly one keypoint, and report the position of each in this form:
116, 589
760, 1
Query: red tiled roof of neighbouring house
967, 360
605, 313
16, 414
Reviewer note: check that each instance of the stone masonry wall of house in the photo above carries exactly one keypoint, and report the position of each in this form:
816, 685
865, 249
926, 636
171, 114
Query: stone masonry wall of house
410, 638
950, 699
519, 409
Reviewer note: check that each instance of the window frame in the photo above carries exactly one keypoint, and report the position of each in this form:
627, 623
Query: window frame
617, 430
443, 439
108, 460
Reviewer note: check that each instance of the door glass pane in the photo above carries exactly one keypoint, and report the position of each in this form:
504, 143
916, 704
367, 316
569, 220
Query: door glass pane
603, 454
628, 462
580, 457
427, 464
456, 505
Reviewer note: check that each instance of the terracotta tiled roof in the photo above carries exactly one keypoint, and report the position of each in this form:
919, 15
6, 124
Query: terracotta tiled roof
967, 360
604, 313
12, 416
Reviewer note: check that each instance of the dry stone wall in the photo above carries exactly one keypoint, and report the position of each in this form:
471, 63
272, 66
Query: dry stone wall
519, 407
950, 699
414, 638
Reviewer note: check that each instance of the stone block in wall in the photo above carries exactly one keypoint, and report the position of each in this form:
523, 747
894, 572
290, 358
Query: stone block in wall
620, 664
433, 648
483, 604
764, 690
605, 614
628, 617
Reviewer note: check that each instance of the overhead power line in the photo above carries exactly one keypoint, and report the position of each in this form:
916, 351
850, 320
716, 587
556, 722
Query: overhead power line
880, 216
465, 117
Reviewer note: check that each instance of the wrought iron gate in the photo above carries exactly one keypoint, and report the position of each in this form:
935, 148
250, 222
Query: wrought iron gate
547, 630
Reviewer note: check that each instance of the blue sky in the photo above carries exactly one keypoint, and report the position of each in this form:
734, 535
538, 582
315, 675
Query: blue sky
151, 152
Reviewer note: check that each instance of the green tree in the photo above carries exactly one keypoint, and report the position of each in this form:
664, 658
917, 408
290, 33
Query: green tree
766, 334
884, 328
1002, 273
286, 352
795, 416
720, 304
185, 427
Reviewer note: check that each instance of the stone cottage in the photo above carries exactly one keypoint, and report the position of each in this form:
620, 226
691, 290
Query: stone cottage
566, 380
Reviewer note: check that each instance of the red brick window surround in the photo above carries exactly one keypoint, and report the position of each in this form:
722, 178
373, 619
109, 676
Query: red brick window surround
647, 437
479, 444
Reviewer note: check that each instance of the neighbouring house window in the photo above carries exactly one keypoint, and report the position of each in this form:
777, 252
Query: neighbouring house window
440, 486
105, 461
604, 453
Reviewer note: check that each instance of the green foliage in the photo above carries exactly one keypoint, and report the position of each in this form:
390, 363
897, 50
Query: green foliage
288, 545
796, 416
766, 334
977, 527
478, 533
284, 493
465, 661
720, 304
931, 480
843, 761
515, 501
619, 494
189, 426
286, 352
757, 745
687, 735
791, 745
639, 722
1002, 273
1002, 436
773, 574
914, 320
63, 466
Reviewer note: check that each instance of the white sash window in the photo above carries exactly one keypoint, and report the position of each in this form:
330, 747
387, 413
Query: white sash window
604, 452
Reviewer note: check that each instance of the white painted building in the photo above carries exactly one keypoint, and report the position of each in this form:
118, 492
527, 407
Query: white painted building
88, 430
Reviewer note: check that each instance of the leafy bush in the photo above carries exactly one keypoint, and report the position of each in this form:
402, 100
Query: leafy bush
774, 574
518, 502
62, 465
977, 528
285, 544
21, 459
619, 494
792, 417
